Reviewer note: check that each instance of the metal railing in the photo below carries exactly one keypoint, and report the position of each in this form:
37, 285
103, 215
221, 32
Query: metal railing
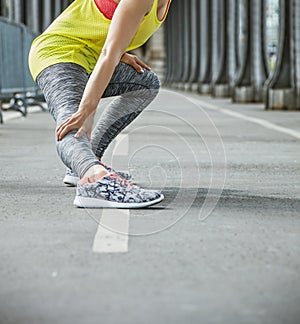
16, 84
20, 22
224, 47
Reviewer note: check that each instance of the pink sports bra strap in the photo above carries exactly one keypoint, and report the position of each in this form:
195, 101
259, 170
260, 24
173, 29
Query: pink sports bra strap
106, 7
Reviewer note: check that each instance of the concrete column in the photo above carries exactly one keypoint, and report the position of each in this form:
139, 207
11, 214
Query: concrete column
233, 36
4, 8
168, 53
18, 11
57, 7
171, 29
220, 74
35, 14
155, 53
187, 43
194, 44
284, 84
65, 3
178, 44
253, 70
11, 9
205, 51
47, 13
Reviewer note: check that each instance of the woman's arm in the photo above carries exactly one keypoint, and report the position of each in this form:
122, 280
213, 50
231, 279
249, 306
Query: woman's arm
124, 25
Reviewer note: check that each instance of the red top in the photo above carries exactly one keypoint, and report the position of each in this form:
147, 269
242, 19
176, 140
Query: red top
107, 7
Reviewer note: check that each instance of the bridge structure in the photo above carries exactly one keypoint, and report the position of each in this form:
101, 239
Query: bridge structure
248, 50
225, 48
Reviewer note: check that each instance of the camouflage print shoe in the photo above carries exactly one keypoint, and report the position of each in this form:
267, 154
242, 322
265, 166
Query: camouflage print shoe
70, 178
111, 191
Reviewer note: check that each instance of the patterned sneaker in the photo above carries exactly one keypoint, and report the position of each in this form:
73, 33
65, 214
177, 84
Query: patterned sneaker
111, 191
71, 177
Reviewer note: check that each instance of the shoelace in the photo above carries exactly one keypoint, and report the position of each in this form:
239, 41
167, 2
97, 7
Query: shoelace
123, 182
126, 175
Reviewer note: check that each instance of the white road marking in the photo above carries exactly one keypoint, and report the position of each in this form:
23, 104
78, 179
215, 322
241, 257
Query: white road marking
122, 145
262, 122
112, 232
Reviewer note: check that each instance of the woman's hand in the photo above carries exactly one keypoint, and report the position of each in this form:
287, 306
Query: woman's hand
135, 62
86, 127
78, 121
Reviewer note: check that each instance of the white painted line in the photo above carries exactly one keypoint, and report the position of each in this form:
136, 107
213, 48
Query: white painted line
122, 145
262, 122
112, 233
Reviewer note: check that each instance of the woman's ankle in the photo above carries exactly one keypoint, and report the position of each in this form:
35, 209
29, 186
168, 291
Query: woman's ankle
93, 174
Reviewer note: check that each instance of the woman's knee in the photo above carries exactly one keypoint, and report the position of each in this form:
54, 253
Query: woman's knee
150, 84
126, 79
152, 80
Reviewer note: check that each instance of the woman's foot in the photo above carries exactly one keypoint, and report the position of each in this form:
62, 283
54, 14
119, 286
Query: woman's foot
71, 178
111, 191
123, 175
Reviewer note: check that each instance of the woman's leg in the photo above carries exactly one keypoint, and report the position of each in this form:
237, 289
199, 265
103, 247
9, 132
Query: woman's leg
63, 85
136, 91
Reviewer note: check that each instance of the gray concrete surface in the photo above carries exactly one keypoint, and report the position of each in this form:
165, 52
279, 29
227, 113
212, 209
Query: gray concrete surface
232, 193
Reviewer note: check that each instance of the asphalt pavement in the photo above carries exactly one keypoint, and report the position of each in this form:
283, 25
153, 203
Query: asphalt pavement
223, 247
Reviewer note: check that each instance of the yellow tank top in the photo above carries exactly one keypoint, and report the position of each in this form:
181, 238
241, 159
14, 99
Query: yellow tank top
78, 36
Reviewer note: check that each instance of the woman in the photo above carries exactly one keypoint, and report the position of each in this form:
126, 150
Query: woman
81, 58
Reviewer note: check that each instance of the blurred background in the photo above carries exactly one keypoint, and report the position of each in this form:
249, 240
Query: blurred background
248, 50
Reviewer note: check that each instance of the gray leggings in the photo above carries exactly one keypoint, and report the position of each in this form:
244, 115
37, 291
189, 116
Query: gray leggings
63, 85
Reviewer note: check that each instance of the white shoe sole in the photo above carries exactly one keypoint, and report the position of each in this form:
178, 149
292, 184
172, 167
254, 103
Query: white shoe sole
84, 202
70, 181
